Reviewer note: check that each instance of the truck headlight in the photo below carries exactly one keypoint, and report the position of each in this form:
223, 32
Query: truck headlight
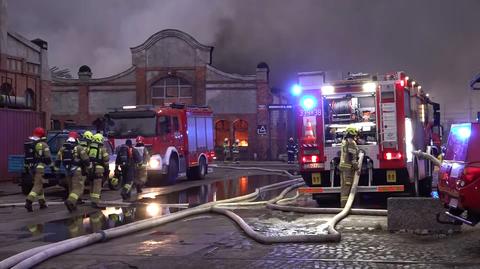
154, 163
111, 167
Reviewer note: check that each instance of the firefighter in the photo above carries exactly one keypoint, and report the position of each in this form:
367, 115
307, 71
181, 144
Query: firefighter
37, 157
236, 151
74, 158
226, 150
291, 150
127, 158
86, 139
348, 163
141, 171
98, 161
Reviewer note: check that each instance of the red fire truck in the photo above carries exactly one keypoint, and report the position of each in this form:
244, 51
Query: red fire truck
393, 116
179, 137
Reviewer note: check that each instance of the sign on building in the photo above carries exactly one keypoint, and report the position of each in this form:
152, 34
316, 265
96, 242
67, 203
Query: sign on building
261, 129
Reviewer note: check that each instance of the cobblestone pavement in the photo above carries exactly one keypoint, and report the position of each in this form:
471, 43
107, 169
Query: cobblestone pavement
212, 241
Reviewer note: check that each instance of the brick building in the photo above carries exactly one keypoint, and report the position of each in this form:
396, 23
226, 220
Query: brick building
171, 66
24, 89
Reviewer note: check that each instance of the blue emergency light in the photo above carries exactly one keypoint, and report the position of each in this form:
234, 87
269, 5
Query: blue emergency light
308, 102
462, 131
296, 90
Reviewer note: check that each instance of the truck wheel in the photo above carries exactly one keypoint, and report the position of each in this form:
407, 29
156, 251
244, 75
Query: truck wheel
198, 172
172, 172
26, 188
425, 187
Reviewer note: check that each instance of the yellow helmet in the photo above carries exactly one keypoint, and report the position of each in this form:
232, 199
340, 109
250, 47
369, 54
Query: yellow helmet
351, 130
88, 135
98, 138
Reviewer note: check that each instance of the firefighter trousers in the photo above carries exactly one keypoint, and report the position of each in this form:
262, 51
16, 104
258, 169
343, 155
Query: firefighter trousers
128, 173
141, 175
346, 178
236, 157
96, 221
96, 187
77, 185
291, 157
37, 190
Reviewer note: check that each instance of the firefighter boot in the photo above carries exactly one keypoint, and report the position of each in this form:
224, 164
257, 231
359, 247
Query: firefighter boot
70, 205
28, 205
139, 188
43, 204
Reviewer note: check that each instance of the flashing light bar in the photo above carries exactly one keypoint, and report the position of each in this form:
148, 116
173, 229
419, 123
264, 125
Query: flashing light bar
296, 90
369, 87
328, 90
308, 102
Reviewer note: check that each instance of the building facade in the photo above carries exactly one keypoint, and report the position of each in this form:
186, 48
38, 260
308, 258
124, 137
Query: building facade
24, 90
172, 67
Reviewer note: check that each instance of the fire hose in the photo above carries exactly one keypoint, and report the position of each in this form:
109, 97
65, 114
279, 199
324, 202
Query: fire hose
32, 257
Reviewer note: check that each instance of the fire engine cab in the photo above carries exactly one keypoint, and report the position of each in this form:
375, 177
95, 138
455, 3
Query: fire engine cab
179, 137
393, 117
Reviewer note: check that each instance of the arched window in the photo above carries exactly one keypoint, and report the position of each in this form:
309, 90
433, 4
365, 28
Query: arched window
222, 131
240, 132
29, 98
172, 89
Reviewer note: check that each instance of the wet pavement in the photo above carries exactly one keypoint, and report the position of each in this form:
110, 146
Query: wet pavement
89, 221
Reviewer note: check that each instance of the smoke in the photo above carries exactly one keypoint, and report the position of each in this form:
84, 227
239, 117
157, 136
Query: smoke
434, 40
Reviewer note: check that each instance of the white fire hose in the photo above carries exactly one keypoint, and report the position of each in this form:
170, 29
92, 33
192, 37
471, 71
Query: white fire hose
32, 257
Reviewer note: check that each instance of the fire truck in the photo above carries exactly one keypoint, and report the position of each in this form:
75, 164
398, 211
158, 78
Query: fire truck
179, 138
393, 116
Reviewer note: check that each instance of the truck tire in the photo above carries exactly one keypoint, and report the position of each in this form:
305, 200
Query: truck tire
172, 172
199, 172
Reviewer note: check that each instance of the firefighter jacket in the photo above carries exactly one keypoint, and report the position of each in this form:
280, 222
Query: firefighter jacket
144, 154
78, 157
42, 152
291, 148
128, 156
235, 148
348, 155
98, 154
226, 148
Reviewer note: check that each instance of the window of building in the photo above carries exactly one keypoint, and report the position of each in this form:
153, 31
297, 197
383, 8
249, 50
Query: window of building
172, 88
240, 132
222, 131
29, 98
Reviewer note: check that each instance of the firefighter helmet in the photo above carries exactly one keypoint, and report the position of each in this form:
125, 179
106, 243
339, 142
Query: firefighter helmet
88, 135
225, 140
351, 131
97, 138
73, 135
39, 132
291, 139
237, 141
139, 140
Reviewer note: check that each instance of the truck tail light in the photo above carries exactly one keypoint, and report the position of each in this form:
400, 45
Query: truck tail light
469, 175
310, 159
392, 156
212, 155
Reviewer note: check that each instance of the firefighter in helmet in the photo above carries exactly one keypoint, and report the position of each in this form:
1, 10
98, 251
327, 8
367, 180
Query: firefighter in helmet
74, 159
99, 157
236, 151
291, 150
141, 172
127, 158
226, 150
86, 139
348, 163
37, 157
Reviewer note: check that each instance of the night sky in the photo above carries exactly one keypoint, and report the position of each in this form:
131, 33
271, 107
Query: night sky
436, 41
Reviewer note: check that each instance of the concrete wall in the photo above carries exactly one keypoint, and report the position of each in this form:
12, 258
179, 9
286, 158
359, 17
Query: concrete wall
100, 102
64, 103
232, 101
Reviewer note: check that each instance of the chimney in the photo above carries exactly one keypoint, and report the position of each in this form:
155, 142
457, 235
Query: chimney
3, 26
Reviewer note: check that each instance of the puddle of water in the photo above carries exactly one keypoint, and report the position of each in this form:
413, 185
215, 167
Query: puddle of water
93, 221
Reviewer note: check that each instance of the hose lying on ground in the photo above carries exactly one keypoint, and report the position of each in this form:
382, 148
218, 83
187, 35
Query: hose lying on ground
30, 258
35, 256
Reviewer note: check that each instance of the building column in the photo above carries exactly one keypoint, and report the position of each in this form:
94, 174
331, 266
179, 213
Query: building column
141, 79
264, 98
